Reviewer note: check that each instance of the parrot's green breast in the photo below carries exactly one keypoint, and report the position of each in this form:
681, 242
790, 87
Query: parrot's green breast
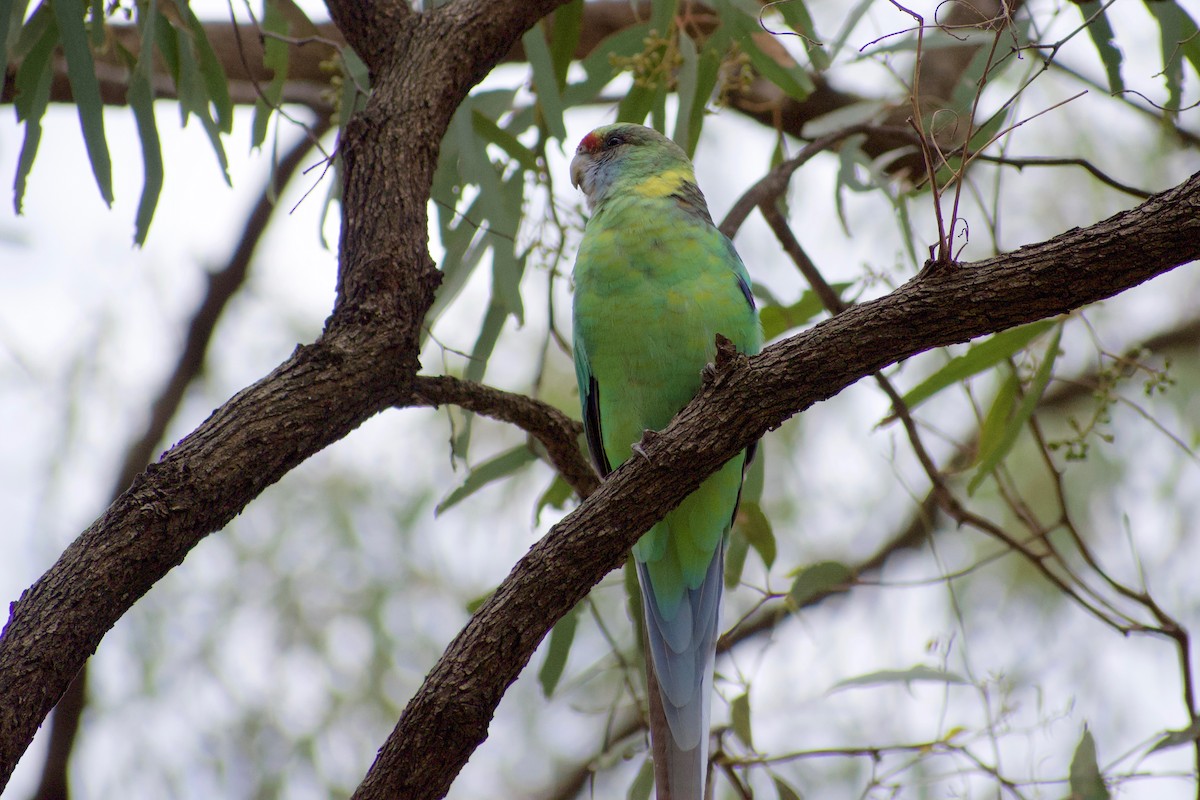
654, 285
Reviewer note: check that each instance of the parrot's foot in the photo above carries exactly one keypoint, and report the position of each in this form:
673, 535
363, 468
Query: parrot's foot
708, 374
648, 436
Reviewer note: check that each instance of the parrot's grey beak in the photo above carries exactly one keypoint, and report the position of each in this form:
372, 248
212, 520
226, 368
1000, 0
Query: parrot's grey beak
578, 168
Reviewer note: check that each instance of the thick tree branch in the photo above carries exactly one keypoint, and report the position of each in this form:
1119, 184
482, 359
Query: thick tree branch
363, 362
946, 304
557, 433
222, 286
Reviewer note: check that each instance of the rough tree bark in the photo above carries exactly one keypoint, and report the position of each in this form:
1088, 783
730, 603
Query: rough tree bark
364, 361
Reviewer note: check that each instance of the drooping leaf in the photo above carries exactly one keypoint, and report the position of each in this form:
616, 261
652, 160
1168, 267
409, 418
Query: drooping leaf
818, 579
85, 89
997, 447
708, 72
545, 80
275, 58
979, 357
755, 526
568, 24
485, 343
495, 468
33, 95
12, 12
917, 674
1101, 33
141, 102
643, 783
1087, 782
1180, 40
193, 95
557, 650
211, 71
686, 78
735, 557
739, 717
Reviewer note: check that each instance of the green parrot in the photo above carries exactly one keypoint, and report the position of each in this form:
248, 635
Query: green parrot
655, 282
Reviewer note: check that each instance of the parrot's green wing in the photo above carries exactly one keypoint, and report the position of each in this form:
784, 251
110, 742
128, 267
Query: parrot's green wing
655, 282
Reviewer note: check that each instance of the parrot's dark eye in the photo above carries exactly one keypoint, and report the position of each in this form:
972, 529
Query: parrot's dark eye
614, 140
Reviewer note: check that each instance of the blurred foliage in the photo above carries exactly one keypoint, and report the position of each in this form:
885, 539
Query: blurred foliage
274, 662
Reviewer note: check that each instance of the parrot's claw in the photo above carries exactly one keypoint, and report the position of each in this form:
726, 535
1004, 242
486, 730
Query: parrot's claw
647, 436
709, 373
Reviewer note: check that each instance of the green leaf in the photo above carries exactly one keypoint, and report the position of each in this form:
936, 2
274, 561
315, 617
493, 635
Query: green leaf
545, 80
1087, 783
817, 580
33, 95
793, 80
1173, 739
85, 89
784, 790
495, 468
568, 23
95, 22
599, 66
643, 783
491, 132
735, 557
796, 15
559, 647
686, 78
213, 74
275, 58
978, 358
1180, 40
557, 494
485, 343
194, 99
708, 71
918, 674
141, 102
777, 320
755, 526
475, 604
997, 447
1102, 35
11, 15
739, 717
636, 105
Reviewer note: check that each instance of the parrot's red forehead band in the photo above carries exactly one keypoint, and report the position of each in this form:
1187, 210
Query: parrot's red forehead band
590, 143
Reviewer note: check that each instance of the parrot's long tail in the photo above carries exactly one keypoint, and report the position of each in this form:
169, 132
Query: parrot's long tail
679, 670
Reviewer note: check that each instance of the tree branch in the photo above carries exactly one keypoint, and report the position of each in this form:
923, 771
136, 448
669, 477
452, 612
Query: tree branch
363, 362
946, 304
557, 432
222, 286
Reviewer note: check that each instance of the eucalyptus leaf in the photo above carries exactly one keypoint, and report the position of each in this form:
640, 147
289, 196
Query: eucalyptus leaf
562, 635
85, 89
917, 674
1087, 782
495, 468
